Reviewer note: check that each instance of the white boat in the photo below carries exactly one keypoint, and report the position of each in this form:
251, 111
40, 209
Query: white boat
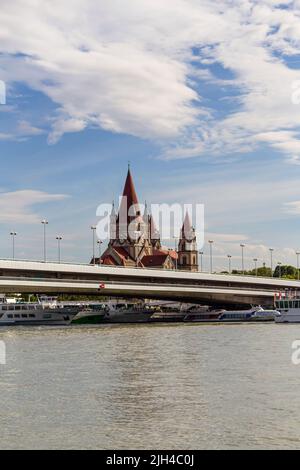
261, 314
253, 314
289, 309
36, 313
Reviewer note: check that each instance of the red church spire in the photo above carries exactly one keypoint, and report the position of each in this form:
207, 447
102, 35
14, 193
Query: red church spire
129, 206
129, 190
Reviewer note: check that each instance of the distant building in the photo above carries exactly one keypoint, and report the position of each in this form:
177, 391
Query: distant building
135, 241
187, 247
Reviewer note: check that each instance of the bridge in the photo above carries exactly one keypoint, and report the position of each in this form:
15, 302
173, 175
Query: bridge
198, 287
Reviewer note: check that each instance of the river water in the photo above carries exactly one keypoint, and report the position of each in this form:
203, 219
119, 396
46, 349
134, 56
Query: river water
178, 386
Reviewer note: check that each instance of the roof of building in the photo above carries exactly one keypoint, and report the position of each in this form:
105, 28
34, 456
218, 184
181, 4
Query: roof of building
122, 252
129, 198
154, 260
166, 251
109, 261
187, 231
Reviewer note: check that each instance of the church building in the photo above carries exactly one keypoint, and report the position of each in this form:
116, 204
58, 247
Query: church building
135, 241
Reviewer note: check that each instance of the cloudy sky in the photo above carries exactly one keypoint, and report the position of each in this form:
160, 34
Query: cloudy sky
202, 96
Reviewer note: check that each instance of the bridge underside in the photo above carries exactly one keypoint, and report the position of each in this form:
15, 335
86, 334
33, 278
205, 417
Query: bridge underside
214, 296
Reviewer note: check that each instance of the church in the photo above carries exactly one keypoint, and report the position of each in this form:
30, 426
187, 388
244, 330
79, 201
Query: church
135, 241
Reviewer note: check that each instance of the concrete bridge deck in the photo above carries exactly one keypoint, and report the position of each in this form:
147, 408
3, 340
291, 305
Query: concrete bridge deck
54, 278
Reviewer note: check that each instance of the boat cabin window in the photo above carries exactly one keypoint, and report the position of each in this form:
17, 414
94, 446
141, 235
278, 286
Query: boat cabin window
17, 315
286, 304
24, 315
10, 315
31, 315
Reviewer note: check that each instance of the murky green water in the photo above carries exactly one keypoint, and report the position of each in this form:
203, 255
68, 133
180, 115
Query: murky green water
150, 387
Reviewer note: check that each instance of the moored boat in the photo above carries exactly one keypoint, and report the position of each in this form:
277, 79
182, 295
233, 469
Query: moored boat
36, 313
289, 308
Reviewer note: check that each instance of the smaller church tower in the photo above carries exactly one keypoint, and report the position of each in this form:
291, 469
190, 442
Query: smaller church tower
187, 247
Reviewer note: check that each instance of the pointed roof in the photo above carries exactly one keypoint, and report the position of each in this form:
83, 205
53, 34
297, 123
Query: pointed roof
113, 211
129, 190
146, 212
129, 197
187, 228
154, 233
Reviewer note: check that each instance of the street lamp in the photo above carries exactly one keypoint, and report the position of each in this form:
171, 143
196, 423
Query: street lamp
176, 259
210, 255
298, 253
99, 242
59, 239
229, 263
271, 259
93, 228
201, 253
13, 234
45, 223
242, 246
255, 265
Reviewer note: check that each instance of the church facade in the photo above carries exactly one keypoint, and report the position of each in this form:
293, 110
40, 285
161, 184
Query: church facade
135, 241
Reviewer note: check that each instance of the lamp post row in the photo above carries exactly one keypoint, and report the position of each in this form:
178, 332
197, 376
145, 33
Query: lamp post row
229, 257
59, 238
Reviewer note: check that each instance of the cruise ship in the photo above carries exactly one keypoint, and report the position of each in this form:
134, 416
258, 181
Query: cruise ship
43, 312
289, 308
255, 314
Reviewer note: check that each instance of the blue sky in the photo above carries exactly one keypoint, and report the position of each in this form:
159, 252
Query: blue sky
197, 95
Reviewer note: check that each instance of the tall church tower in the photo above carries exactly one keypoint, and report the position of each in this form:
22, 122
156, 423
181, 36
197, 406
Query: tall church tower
132, 228
187, 247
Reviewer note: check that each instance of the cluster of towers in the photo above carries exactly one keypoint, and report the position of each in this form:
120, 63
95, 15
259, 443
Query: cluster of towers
135, 241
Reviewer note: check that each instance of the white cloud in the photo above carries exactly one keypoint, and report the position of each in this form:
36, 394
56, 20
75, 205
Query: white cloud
26, 129
16, 207
293, 207
129, 69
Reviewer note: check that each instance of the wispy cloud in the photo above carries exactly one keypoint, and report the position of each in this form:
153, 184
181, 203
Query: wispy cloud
292, 207
17, 207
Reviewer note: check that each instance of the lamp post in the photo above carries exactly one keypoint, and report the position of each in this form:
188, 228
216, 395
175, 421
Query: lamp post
99, 242
255, 265
229, 263
242, 247
271, 260
93, 228
59, 239
13, 235
176, 259
201, 253
210, 255
298, 274
45, 223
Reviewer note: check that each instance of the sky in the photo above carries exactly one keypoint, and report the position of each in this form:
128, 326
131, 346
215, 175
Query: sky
201, 96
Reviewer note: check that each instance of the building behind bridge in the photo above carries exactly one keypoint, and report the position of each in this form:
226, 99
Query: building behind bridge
135, 241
